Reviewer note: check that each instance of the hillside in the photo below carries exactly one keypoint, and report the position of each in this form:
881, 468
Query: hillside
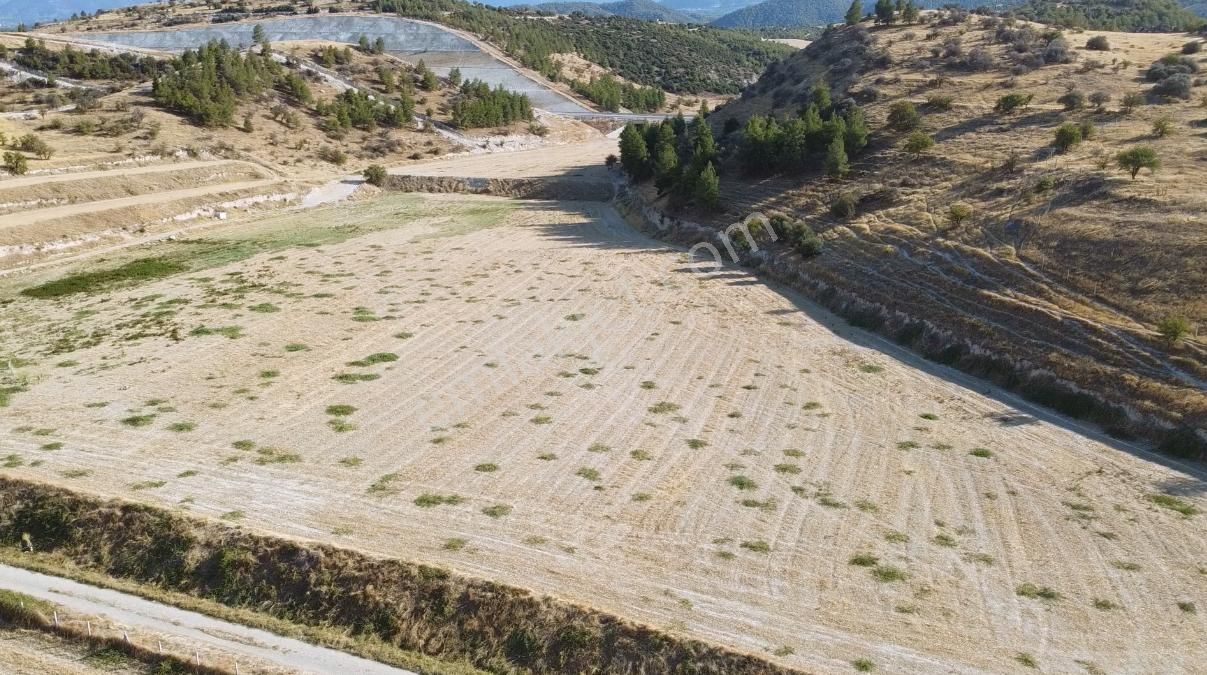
678, 59
785, 13
645, 10
1059, 265
1143, 16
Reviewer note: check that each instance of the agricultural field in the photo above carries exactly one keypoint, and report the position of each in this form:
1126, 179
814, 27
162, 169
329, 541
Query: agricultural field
537, 393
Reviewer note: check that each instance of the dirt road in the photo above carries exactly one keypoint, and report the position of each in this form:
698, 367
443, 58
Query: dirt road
54, 213
233, 639
581, 160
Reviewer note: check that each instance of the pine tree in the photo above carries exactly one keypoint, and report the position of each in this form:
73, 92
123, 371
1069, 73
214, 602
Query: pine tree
820, 96
258, 35
854, 12
634, 155
708, 188
910, 14
454, 76
666, 159
885, 12
856, 134
837, 164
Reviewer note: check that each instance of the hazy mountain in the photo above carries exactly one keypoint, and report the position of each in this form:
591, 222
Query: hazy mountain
787, 13
13, 12
646, 10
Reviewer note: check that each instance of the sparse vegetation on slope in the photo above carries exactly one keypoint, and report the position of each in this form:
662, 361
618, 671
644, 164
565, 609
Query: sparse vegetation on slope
1025, 208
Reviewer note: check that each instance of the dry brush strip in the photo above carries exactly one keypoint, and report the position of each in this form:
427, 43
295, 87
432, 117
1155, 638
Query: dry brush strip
414, 607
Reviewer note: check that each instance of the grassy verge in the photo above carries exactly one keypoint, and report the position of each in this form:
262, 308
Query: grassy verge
390, 610
23, 611
317, 227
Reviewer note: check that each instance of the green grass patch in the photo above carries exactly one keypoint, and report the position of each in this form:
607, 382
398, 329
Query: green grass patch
663, 407
497, 510
54, 445
756, 545
276, 456
864, 560
129, 274
138, 420
385, 485
182, 427
230, 332
428, 500
265, 308
1173, 504
1034, 592
373, 359
983, 453
487, 467
588, 473
743, 482
640, 455
340, 410
888, 574
296, 347
353, 378
340, 426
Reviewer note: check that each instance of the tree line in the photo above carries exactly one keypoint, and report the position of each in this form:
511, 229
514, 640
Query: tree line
480, 106
610, 94
80, 65
679, 157
207, 84
819, 135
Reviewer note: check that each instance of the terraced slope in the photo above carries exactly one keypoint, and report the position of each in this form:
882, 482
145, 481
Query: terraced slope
535, 393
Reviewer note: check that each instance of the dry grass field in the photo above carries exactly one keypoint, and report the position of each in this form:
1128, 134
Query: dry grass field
535, 393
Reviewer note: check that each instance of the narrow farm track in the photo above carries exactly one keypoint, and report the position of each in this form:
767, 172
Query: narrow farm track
229, 641
34, 216
551, 339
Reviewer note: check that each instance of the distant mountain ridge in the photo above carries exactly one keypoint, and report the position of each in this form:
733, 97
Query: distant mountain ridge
1124, 15
646, 10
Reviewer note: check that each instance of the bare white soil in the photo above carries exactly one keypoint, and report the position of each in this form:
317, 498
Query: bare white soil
540, 342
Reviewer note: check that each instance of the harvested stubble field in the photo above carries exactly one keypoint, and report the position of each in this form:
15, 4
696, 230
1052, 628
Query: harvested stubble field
535, 393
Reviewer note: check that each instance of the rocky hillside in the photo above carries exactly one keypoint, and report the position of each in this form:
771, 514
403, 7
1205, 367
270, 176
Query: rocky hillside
1034, 197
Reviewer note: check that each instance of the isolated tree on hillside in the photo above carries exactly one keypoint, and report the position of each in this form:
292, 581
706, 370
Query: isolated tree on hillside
1068, 135
837, 164
854, 12
886, 12
15, 163
454, 76
903, 116
375, 174
1173, 329
911, 13
258, 35
1135, 159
